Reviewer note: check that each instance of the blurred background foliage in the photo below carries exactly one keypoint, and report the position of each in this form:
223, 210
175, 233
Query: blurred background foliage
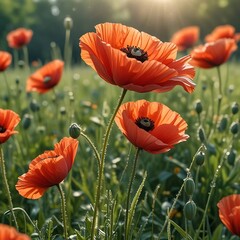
160, 18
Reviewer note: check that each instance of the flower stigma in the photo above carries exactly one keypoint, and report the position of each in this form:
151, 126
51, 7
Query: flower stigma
135, 52
2, 129
145, 123
47, 79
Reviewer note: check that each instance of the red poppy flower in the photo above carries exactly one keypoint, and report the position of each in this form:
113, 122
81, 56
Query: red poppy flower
186, 37
48, 169
213, 54
10, 233
229, 213
151, 126
5, 60
19, 37
135, 60
8, 121
45, 78
223, 31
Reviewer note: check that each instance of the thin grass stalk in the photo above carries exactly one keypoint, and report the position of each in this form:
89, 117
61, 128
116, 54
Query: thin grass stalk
25, 56
133, 173
5, 183
64, 212
101, 167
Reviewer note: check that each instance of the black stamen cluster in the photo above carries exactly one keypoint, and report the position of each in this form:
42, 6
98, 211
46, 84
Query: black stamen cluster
130, 49
145, 123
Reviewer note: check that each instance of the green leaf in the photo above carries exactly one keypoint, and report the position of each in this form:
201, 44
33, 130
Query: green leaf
180, 230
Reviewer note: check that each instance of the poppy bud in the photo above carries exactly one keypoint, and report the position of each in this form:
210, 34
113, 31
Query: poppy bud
198, 107
74, 130
235, 108
68, 22
189, 186
211, 149
231, 156
201, 134
26, 121
199, 158
190, 209
34, 106
223, 124
234, 127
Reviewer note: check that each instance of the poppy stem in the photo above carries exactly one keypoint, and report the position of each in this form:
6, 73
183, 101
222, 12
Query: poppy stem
93, 147
127, 223
26, 59
101, 165
63, 208
67, 49
15, 56
5, 183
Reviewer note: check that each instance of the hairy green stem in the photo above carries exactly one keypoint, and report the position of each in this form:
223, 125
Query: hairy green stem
101, 165
93, 147
127, 227
63, 208
5, 183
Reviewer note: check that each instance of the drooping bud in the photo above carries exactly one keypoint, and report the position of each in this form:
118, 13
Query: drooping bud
26, 121
223, 124
235, 108
201, 134
199, 158
34, 106
198, 106
231, 156
190, 210
234, 127
74, 130
189, 186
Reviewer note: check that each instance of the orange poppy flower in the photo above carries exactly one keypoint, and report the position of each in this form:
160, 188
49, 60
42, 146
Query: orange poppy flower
8, 121
10, 233
229, 213
135, 60
19, 37
5, 60
45, 78
222, 31
151, 126
186, 37
48, 169
213, 54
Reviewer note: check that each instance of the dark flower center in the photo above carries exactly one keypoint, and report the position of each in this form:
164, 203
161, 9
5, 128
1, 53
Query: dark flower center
2, 129
47, 79
145, 123
135, 52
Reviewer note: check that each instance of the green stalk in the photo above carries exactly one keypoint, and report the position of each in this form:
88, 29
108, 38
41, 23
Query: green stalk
5, 183
64, 212
127, 227
101, 165
93, 147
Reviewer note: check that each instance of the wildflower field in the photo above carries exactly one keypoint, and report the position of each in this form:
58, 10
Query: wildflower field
138, 141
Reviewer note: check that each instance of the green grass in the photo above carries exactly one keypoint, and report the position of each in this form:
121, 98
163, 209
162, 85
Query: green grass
84, 98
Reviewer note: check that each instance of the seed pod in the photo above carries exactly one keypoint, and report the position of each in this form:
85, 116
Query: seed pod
234, 127
68, 22
190, 210
198, 106
74, 130
235, 108
231, 156
199, 158
201, 134
34, 236
189, 186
